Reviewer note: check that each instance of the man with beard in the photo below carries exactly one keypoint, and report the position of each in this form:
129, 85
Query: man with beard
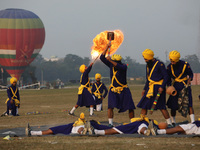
119, 94
98, 88
156, 80
13, 100
181, 75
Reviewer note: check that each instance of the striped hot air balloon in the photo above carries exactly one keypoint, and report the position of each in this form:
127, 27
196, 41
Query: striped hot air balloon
22, 36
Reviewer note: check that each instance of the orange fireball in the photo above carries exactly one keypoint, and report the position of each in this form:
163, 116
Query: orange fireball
100, 42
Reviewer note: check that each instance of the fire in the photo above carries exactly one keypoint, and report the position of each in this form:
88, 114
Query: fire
100, 42
94, 54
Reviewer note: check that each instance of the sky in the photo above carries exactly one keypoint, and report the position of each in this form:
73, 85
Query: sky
160, 25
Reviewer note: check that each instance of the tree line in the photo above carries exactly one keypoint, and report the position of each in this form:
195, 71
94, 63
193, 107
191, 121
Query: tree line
67, 69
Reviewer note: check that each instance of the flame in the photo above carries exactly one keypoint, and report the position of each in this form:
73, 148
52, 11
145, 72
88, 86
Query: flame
100, 42
94, 54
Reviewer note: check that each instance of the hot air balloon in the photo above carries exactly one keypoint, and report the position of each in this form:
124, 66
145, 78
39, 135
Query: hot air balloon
22, 36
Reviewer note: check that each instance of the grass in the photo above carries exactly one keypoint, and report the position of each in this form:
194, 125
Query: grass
53, 106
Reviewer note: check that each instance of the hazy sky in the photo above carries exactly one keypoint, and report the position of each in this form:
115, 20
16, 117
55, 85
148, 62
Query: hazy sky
161, 25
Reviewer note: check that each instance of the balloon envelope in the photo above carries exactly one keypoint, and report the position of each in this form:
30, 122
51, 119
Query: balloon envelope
22, 36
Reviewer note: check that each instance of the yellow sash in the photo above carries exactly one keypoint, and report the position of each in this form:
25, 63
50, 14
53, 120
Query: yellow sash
80, 89
177, 79
97, 92
118, 89
142, 117
14, 97
79, 122
151, 82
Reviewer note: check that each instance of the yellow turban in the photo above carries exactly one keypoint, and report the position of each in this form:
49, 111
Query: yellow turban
82, 116
82, 68
13, 79
174, 56
116, 57
98, 76
148, 54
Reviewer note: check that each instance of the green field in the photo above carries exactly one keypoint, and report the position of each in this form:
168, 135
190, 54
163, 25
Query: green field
53, 106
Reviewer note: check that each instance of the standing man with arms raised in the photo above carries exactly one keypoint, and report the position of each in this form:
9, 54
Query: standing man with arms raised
156, 80
181, 75
85, 97
119, 94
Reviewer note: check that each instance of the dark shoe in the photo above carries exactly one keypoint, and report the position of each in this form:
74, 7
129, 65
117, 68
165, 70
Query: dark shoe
4, 114
71, 114
170, 126
92, 115
28, 130
110, 125
173, 124
17, 115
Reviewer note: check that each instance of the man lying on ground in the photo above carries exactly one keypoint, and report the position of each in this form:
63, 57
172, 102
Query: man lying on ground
188, 129
137, 125
72, 128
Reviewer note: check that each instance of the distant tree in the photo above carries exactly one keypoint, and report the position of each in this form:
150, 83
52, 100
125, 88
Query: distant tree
28, 75
86, 60
134, 69
72, 60
38, 60
194, 62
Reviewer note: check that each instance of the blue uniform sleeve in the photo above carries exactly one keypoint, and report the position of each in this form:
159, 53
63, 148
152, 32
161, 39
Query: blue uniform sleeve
147, 82
169, 82
9, 93
106, 91
18, 94
104, 60
165, 75
87, 71
189, 71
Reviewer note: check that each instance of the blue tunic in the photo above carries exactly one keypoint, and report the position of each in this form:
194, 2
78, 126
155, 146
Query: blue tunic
122, 101
158, 74
197, 123
86, 98
131, 128
63, 129
10, 95
101, 90
66, 129
173, 100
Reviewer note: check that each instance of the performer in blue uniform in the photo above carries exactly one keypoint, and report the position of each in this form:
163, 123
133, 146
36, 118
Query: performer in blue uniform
137, 126
85, 97
188, 129
119, 94
156, 80
13, 101
98, 88
181, 75
72, 128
